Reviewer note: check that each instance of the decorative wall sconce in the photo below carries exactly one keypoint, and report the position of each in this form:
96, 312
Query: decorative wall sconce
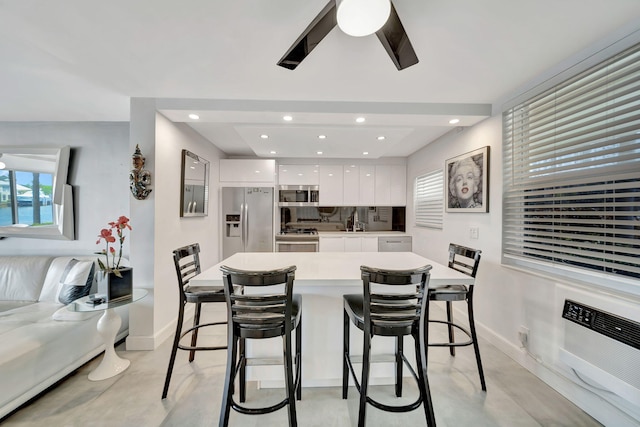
139, 178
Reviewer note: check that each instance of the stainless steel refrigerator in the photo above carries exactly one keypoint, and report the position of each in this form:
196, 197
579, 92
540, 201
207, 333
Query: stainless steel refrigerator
247, 213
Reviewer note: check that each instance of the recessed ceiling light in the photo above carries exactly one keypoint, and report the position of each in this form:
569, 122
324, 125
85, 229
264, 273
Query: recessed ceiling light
287, 118
381, 138
194, 116
2, 166
454, 121
257, 171
360, 120
299, 174
319, 152
264, 136
365, 152
273, 152
322, 136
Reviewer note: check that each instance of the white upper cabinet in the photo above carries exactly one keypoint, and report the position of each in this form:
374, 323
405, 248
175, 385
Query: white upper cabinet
351, 191
243, 171
383, 185
367, 185
351, 185
331, 185
398, 185
298, 175
391, 185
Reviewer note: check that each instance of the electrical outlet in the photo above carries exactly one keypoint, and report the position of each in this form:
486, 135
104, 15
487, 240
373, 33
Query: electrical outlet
474, 232
523, 336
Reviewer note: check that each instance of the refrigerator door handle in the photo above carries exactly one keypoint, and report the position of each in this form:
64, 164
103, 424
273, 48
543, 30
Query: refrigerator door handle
246, 224
242, 226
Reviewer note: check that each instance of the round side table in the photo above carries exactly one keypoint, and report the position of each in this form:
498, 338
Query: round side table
108, 326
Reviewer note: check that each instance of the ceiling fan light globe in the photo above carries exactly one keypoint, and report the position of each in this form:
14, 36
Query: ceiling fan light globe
359, 18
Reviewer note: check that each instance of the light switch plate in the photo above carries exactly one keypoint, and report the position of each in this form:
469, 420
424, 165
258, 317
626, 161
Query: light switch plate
474, 232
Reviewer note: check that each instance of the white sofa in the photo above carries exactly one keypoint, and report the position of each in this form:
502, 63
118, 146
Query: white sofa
41, 341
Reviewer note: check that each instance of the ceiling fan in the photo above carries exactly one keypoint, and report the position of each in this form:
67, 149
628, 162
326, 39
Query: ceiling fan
392, 36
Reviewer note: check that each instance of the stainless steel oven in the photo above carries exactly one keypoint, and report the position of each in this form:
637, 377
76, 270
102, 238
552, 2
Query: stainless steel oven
297, 241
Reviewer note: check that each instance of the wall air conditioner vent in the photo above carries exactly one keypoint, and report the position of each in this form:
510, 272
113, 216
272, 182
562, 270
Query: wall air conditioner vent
616, 327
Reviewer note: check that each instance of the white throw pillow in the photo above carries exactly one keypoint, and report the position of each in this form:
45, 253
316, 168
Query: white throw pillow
76, 281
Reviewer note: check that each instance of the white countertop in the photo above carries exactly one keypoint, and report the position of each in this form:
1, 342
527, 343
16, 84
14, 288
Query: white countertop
333, 268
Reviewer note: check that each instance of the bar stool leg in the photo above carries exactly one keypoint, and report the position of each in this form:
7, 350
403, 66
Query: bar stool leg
243, 371
227, 394
423, 381
288, 372
345, 355
364, 382
299, 359
194, 334
174, 350
399, 364
452, 350
474, 337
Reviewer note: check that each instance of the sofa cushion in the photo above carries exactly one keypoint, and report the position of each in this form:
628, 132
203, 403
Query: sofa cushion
76, 280
22, 277
52, 283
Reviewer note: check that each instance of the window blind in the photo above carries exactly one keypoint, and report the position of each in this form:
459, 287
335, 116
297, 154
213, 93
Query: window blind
571, 168
429, 200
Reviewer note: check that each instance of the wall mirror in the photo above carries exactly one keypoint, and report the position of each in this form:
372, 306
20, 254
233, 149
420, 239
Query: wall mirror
194, 194
35, 199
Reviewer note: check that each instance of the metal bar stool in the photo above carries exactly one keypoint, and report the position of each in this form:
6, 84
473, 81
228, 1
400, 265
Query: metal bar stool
187, 263
388, 313
464, 260
260, 316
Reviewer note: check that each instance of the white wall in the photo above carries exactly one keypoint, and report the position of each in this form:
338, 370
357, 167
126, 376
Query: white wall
505, 299
98, 171
153, 318
172, 231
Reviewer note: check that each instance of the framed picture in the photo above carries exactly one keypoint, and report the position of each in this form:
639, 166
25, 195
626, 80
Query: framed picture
467, 182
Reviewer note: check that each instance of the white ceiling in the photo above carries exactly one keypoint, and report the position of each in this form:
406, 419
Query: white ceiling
82, 60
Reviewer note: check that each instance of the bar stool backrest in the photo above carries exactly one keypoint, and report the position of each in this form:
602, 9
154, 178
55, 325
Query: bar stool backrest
463, 259
259, 312
187, 263
384, 308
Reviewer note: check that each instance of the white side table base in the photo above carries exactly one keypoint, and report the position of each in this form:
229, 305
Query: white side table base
111, 364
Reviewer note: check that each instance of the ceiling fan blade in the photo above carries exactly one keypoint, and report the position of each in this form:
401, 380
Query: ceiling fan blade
310, 37
396, 42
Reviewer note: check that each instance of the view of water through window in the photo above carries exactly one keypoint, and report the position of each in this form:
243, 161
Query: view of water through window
25, 183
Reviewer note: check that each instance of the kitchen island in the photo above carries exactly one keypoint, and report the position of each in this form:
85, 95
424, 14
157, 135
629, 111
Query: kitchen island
322, 278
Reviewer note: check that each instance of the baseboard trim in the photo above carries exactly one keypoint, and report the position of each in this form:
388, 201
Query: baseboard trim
151, 342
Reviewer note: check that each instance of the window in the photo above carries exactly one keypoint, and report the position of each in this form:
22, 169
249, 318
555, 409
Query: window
429, 200
571, 199
25, 198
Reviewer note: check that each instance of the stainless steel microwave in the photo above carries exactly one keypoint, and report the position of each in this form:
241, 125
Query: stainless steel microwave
298, 195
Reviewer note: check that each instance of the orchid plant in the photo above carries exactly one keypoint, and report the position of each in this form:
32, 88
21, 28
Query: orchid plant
113, 265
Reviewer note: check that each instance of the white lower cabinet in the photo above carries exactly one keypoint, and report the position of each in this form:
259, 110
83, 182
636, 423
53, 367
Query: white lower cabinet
352, 244
349, 244
369, 244
331, 244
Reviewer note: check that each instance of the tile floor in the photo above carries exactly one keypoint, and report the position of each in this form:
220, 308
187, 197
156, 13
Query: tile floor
514, 396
